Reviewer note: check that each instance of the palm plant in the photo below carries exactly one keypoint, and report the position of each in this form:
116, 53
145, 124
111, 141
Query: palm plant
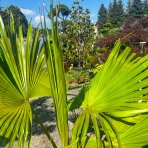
23, 76
109, 103
112, 98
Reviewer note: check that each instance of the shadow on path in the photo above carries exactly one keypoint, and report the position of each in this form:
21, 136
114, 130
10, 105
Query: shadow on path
45, 110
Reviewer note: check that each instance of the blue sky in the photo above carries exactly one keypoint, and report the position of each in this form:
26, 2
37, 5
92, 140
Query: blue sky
31, 7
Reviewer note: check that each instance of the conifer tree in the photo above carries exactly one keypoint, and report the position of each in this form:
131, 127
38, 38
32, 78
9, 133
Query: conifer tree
145, 7
113, 14
136, 9
128, 7
110, 8
120, 15
102, 16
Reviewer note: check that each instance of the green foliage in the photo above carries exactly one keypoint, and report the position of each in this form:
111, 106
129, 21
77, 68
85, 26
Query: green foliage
113, 13
114, 93
107, 25
77, 76
23, 77
145, 6
79, 36
136, 10
116, 13
61, 10
128, 7
57, 80
121, 14
114, 30
19, 19
106, 28
102, 16
104, 31
64, 24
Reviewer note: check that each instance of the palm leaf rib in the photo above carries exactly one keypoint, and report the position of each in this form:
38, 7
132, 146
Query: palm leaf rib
114, 92
23, 76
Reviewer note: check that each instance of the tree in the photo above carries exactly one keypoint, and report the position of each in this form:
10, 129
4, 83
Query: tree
128, 8
102, 16
105, 29
136, 10
113, 14
120, 13
63, 25
145, 7
62, 11
110, 8
116, 13
79, 36
1, 7
19, 19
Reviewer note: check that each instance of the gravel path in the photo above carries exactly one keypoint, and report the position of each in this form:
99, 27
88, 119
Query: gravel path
44, 108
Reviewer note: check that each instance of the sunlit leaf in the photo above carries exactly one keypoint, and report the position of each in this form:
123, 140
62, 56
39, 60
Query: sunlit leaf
23, 76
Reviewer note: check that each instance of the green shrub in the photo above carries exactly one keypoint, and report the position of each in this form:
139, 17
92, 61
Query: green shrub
104, 30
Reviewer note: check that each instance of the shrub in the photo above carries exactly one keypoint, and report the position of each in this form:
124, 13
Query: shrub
133, 30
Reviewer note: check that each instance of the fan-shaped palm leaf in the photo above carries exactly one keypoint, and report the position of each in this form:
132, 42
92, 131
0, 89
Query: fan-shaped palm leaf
23, 76
115, 91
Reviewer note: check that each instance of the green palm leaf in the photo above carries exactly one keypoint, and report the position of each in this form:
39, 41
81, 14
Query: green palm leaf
23, 76
57, 80
136, 136
118, 84
115, 90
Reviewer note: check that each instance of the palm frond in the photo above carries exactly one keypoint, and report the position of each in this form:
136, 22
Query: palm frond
23, 76
115, 91
57, 80
119, 84
136, 136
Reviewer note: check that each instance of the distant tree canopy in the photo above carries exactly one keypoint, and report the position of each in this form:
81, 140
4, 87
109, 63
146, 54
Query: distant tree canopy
136, 10
145, 7
64, 25
102, 16
19, 18
116, 15
120, 13
128, 9
63, 11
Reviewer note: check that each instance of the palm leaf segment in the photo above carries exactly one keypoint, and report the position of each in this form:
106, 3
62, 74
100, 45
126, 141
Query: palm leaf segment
114, 92
57, 80
23, 76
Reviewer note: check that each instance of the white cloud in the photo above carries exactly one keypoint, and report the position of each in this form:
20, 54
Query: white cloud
27, 11
40, 18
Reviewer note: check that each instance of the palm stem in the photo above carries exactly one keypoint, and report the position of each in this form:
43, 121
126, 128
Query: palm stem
45, 130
